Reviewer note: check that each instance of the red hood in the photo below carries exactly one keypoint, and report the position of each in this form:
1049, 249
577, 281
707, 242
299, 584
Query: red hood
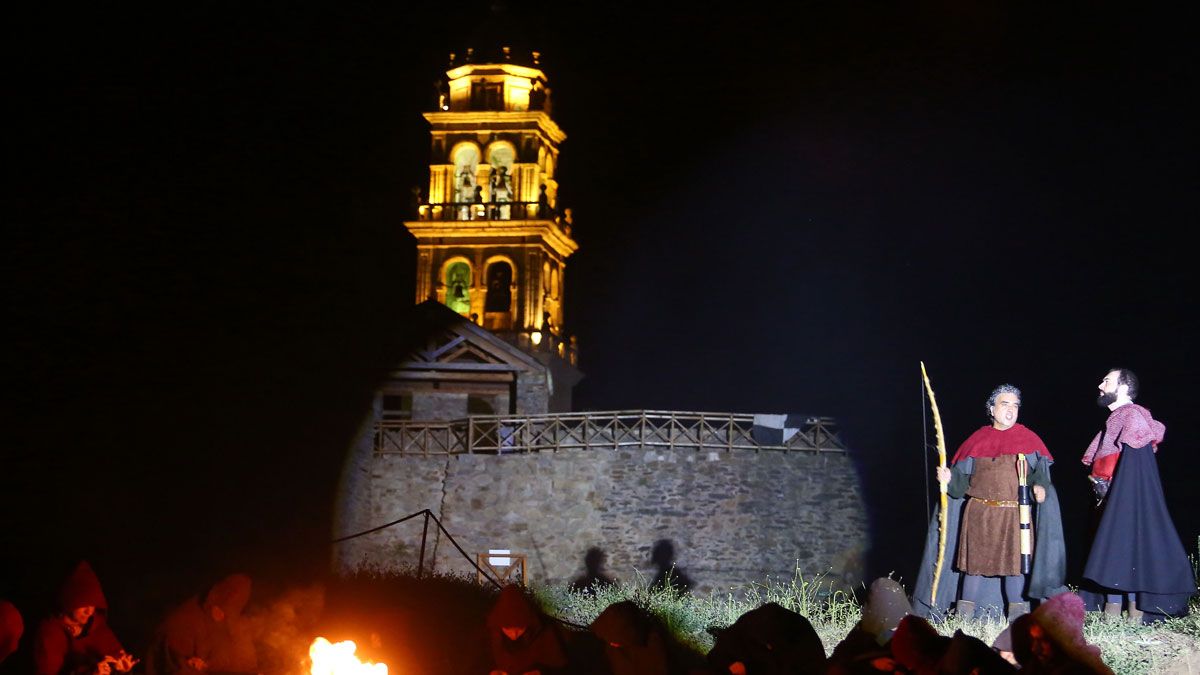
513, 609
230, 594
81, 589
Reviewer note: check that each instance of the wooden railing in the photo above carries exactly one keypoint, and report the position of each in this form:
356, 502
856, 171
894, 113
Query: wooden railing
595, 431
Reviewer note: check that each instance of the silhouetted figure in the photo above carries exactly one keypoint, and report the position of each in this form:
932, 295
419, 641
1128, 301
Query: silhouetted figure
207, 633
537, 96
77, 639
767, 640
521, 638
11, 628
663, 557
917, 646
593, 577
968, 655
633, 642
885, 606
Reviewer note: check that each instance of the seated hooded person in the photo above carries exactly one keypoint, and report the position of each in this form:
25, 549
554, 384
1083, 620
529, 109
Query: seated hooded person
767, 640
1050, 639
11, 628
77, 639
206, 634
885, 606
633, 643
522, 640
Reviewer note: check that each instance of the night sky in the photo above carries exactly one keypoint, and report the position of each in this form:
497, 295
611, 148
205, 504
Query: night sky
777, 212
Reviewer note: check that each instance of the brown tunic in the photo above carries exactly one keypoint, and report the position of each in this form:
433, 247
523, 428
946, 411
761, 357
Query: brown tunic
989, 541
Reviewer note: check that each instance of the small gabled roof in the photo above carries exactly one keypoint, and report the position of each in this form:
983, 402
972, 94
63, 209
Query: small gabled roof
447, 341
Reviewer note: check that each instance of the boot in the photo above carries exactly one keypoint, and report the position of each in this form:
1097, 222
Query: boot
1112, 609
1135, 614
1016, 609
965, 609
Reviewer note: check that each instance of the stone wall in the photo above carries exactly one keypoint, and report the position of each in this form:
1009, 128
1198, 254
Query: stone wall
735, 517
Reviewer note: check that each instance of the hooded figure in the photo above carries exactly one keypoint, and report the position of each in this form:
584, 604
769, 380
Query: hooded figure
968, 655
1050, 639
886, 605
206, 633
633, 644
521, 638
768, 640
77, 638
917, 646
11, 628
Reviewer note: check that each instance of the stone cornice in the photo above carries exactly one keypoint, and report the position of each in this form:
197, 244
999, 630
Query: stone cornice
481, 121
546, 231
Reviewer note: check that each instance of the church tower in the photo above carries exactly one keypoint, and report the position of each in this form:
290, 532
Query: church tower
492, 242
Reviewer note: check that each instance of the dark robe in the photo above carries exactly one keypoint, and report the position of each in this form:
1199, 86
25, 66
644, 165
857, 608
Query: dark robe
633, 643
539, 647
1136, 548
768, 640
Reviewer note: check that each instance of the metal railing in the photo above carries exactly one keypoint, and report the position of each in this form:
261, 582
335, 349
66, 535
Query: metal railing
497, 434
486, 211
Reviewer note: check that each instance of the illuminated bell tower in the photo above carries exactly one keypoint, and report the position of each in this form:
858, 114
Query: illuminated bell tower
492, 243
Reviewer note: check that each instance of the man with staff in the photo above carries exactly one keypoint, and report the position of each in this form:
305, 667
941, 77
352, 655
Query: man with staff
992, 532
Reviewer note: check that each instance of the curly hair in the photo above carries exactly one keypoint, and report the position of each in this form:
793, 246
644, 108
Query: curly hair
1002, 389
1126, 377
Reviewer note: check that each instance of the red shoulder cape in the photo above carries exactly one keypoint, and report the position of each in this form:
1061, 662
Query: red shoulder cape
989, 441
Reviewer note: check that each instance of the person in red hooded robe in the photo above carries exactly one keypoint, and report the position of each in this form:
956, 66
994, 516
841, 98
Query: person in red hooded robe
206, 634
77, 639
11, 628
523, 641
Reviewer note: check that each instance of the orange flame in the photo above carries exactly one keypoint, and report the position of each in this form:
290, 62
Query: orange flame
330, 658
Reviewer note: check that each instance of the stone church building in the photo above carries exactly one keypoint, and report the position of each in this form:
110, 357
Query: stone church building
476, 424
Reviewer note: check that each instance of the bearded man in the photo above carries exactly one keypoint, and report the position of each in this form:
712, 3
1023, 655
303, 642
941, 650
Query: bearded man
1137, 560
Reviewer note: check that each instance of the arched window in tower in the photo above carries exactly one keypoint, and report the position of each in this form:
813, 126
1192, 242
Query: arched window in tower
466, 163
458, 287
501, 156
499, 287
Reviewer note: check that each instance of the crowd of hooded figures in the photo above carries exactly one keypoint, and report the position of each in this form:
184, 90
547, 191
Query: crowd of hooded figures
771, 639
208, 633
994, 553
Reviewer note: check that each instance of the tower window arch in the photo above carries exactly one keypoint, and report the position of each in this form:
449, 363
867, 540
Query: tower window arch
465, 157
457, 279
501, 155
499, 287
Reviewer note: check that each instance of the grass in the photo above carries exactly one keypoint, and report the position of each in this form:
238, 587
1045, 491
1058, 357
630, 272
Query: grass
1127, 649
438, 621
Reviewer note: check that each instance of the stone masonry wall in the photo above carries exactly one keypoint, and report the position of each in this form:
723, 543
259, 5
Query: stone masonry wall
735, 517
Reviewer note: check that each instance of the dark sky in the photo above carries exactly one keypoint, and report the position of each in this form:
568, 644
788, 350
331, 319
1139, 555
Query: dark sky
778, 211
